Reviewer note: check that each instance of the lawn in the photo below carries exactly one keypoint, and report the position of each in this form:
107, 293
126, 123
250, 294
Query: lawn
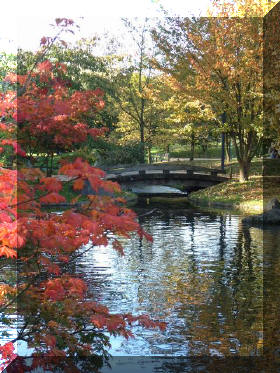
248, 197
184, 151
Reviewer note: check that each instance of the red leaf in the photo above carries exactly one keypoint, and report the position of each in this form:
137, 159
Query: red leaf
112, 187
51, 184
52, 198
117, 246
98, 320
6, 251
54, 268
95, 182
50, 340
63, 258
43, 40
7, 352
55, 290
78, 184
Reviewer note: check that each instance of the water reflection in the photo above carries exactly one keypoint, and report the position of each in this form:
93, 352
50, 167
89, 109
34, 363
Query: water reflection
202, 274
271, 314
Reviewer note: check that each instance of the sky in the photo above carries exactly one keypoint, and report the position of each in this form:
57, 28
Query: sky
27, 21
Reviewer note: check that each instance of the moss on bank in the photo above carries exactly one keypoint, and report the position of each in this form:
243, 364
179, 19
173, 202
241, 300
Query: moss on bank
248, 197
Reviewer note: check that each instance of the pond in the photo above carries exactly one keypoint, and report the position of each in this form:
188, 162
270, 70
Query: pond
213, 280
203, 275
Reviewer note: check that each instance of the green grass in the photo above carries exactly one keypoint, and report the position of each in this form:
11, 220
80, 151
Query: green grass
211, 163
184, 151
248, 197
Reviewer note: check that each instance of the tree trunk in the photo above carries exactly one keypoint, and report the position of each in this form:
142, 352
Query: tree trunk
142, 142
192, 148
244, 169
223, 152
149, 155
204, 149
227, 148
51, 171
50, 167
142, 127
245, 150
47, 165
167, 151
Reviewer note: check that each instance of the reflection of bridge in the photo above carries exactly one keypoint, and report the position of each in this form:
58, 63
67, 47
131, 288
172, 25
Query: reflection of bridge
190, 178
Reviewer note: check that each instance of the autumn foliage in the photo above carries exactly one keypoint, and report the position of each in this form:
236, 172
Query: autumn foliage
57, 317
50, 116
218, 62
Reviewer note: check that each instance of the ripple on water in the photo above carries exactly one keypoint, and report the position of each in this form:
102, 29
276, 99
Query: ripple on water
201, 274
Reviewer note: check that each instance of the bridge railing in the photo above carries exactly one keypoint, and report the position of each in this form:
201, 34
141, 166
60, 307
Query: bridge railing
165, 168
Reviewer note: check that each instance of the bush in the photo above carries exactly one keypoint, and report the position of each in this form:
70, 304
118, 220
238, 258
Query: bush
180, 154
86, 153
111, 154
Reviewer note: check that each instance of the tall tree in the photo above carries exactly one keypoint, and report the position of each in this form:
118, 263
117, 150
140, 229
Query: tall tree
218, 60
271, 75
133, 79
155, 113
189, 120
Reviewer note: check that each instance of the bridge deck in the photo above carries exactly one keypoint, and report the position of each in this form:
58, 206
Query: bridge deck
122, 178
165, 174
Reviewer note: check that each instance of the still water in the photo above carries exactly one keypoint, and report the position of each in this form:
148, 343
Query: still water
202, 275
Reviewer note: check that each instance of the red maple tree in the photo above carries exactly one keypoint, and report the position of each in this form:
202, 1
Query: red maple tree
57, 317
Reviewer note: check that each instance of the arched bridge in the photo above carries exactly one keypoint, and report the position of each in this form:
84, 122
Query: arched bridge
190, 178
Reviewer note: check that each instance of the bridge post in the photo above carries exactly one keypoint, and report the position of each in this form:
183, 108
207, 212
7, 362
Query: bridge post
189, 172
214, 173
142, 172
165, 172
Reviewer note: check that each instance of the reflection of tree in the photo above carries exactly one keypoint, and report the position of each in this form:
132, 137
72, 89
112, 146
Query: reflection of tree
192, 258
57, 364
209, 364
245, 254
212, 306
222, 236
271, 279
222, 308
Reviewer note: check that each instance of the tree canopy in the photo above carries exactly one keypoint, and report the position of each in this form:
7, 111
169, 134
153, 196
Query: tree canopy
218, 61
